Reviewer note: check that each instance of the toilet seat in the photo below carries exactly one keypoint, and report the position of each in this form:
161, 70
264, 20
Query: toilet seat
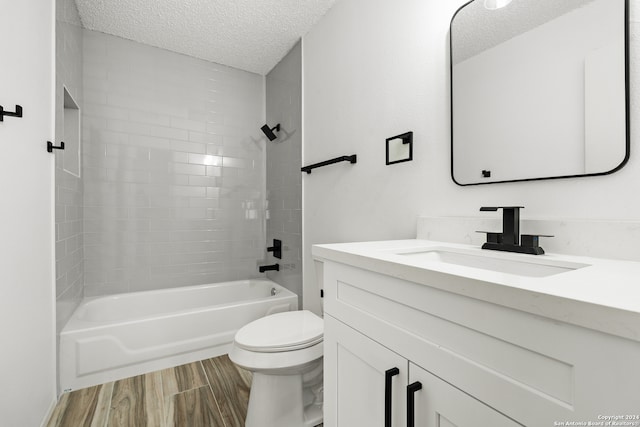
281, 332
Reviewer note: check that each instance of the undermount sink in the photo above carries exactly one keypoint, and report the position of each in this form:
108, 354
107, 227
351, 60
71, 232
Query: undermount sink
534, 267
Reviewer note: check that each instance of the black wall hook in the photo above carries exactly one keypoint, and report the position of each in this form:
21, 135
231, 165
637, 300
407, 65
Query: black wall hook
18, 112
51, 147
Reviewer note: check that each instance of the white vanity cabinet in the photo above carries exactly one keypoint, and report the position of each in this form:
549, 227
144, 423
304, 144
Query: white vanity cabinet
365, 374
480, 364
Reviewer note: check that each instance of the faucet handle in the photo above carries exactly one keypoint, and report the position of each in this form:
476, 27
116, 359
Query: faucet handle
532, 240
492, 236
276, 248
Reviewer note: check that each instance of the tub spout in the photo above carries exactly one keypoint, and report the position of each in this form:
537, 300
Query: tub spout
274, 267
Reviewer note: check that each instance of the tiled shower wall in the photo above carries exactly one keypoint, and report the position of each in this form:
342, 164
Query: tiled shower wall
68, 187
284, 158
174, 169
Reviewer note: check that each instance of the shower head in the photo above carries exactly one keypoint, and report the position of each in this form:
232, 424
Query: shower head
269, 131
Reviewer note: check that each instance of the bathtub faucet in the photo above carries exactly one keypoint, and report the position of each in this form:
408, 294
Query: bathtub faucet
274, 267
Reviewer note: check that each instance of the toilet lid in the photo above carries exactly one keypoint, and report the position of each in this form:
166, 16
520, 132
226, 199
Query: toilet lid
291, 330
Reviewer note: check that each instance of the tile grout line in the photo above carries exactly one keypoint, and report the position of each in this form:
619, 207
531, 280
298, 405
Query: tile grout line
213, 394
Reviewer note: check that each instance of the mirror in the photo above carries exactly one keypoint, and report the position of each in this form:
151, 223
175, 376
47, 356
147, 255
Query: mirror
539, 89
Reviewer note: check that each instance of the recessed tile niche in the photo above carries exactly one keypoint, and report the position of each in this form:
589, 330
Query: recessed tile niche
71, 153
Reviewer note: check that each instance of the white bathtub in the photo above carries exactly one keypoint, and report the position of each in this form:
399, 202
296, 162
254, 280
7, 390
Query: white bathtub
118, 336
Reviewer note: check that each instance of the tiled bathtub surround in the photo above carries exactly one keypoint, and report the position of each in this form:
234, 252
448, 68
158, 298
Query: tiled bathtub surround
284, 160
173, 169
68, 188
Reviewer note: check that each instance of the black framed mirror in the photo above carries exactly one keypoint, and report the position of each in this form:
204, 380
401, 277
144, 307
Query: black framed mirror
539, 89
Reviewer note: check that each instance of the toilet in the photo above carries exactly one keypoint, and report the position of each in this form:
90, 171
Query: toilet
284, 353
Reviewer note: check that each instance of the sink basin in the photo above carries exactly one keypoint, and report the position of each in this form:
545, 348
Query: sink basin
533, 267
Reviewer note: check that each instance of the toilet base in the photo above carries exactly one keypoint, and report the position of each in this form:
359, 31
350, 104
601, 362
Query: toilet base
285, 400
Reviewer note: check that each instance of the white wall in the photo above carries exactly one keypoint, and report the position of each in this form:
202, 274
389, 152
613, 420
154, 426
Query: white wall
27, 359
374, 69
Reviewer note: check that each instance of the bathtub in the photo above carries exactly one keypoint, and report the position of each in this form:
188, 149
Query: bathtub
118, 336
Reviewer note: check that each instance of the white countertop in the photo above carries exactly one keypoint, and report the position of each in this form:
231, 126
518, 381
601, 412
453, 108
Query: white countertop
604, 295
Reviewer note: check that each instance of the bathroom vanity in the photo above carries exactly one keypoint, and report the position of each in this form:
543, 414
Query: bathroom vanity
438, 334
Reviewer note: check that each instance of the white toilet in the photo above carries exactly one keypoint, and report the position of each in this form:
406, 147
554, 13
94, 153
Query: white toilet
284, 352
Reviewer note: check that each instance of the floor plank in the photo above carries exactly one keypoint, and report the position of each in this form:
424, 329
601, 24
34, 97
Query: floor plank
137, 402
230, 385
194, 408
101, 414
76, 409
59, 410
154, 398
183, 378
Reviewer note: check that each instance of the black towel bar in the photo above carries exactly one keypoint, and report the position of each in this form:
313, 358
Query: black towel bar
352, 159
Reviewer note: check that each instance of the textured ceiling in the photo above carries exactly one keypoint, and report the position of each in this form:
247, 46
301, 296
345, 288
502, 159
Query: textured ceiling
252, 35
476, 28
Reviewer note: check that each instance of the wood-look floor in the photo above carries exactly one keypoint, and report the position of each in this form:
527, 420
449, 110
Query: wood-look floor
209, 393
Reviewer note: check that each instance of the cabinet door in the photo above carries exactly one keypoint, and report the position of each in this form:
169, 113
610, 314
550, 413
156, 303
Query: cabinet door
439, 404
358, 374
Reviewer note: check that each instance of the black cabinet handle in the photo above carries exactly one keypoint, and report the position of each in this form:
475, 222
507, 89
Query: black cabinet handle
388, 376
411, 413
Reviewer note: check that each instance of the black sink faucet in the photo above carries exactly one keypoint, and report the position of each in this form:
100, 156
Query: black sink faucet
510, 223
510, 240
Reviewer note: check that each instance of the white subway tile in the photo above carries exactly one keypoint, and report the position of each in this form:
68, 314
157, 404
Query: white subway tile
205, 138
215, 149
95, 96
103, 136
234, 162
149, 118
94, 122
205, 159
179, 157
214, 171
204, 181
150, 141
204, 203
190, 147
190, 125
187, 169
183, 191
216, 129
